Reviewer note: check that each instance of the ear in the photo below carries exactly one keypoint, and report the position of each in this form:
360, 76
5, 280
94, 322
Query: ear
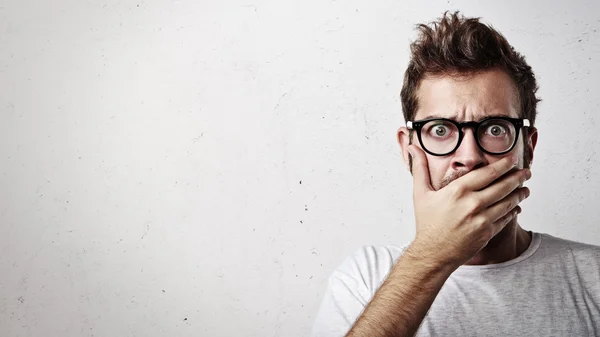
404, 141
532, 137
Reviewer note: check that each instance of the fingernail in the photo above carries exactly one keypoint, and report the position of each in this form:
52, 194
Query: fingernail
528, 174
527, 193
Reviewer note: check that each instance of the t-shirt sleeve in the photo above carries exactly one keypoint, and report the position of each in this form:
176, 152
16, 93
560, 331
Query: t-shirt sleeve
349, 289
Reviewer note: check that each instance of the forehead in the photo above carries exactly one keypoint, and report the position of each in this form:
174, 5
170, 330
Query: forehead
467, 97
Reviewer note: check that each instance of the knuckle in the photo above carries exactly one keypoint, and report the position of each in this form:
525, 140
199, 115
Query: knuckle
520, 195
523, 177
514, 201
476, 205
493, 172
479, 223
510, 216
458, 190
488, 231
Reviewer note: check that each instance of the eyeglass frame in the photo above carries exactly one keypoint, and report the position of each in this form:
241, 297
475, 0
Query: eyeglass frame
518, 123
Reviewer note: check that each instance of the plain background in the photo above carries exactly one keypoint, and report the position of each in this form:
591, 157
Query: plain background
198, 168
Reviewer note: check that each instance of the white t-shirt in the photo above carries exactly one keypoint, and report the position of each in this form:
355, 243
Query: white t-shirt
552, 289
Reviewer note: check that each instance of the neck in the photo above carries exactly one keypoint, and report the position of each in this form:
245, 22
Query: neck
511, 242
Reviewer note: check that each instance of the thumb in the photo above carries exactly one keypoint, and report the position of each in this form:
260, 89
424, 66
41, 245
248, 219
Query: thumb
420, 170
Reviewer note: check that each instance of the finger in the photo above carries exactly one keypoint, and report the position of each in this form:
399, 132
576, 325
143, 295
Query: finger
420, 170
503, 187
499, 224
506, 205
482, 177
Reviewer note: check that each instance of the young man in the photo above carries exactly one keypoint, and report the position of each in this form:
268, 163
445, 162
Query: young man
469, 100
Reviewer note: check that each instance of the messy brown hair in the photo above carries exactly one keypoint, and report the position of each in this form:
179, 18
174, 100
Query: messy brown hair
455, 45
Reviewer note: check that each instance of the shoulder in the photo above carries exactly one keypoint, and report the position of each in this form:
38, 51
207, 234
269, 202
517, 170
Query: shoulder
368, 266
578, 258
570, 247
351, 286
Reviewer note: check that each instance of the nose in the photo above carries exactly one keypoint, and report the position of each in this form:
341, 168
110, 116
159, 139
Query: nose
468, 156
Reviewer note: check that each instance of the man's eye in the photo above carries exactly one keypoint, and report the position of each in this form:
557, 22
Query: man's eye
440, 130
495, 130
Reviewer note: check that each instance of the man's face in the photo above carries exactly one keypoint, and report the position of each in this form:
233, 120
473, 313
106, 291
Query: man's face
472, 98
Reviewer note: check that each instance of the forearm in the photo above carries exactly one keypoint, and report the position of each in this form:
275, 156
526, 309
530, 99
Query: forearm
401, 303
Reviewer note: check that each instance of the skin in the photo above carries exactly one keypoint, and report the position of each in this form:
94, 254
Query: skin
471, 99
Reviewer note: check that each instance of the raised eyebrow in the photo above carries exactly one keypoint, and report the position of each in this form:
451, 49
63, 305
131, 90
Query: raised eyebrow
435, 117
494, 116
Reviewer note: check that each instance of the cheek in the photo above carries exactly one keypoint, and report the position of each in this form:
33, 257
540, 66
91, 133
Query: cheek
438, 167
518, 154
515, 154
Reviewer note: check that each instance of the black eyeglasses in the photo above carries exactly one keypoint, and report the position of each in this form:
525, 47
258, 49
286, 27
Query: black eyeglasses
442, 136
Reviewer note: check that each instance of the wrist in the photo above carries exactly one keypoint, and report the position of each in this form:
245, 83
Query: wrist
430, 259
